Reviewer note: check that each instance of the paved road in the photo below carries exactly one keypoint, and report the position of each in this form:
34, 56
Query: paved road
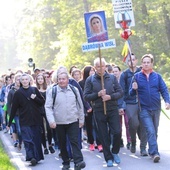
95, 160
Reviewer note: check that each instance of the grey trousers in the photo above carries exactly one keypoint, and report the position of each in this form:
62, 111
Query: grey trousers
135, 125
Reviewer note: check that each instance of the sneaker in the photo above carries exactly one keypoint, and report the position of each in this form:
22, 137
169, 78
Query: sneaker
80, 165
33, 161
100, 148
92, 147
109, 163
133, 149
15, 144
156, 158
116, 158
121, 143
46, 151
128, 146
51, 149
143, 153
66, 167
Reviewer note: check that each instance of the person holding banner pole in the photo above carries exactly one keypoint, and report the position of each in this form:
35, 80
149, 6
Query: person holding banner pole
106, 123
133, 107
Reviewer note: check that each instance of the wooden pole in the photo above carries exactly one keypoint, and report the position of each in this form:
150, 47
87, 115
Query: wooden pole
102, 81
133, 71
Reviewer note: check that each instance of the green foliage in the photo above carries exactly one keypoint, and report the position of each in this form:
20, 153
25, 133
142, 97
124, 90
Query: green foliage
5, 163
52, 32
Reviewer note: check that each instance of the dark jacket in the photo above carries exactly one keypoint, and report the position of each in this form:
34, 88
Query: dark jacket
10, 99
85, 103
74, 83
29, 109
93, 86
149, 90
125, 81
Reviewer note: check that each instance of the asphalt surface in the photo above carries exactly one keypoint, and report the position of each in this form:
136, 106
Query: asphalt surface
94, 160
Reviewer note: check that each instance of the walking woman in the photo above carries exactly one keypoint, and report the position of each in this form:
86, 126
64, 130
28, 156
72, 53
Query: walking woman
91, 128
42, 86
29, 102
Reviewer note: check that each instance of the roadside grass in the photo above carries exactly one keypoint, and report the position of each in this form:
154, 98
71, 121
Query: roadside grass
5, 163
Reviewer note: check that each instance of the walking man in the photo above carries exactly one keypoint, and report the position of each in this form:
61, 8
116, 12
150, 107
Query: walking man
150, 85
132, 107
67, 116
108, 124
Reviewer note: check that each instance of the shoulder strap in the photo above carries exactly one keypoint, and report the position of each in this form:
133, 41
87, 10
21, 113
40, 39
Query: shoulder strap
74, 90
27, 95
54, 93
75, 93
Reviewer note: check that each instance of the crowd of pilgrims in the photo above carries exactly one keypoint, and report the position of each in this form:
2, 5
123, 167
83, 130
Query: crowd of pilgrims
43, 80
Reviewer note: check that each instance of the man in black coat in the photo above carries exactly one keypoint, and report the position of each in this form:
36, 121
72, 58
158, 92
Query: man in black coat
108, 124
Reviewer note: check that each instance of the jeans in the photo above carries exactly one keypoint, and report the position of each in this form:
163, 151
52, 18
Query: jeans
150, 120
16, 118
1, 116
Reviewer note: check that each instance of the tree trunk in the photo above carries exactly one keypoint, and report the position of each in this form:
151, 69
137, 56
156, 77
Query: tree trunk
145, 17
167, 21
86, 6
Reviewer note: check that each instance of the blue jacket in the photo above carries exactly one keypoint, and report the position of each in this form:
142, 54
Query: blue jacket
74, 83
149, 90
2, 94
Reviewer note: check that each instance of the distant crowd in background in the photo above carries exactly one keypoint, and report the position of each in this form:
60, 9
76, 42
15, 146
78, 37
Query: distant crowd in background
65, 108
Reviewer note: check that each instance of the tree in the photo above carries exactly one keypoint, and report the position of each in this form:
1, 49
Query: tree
53, 33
